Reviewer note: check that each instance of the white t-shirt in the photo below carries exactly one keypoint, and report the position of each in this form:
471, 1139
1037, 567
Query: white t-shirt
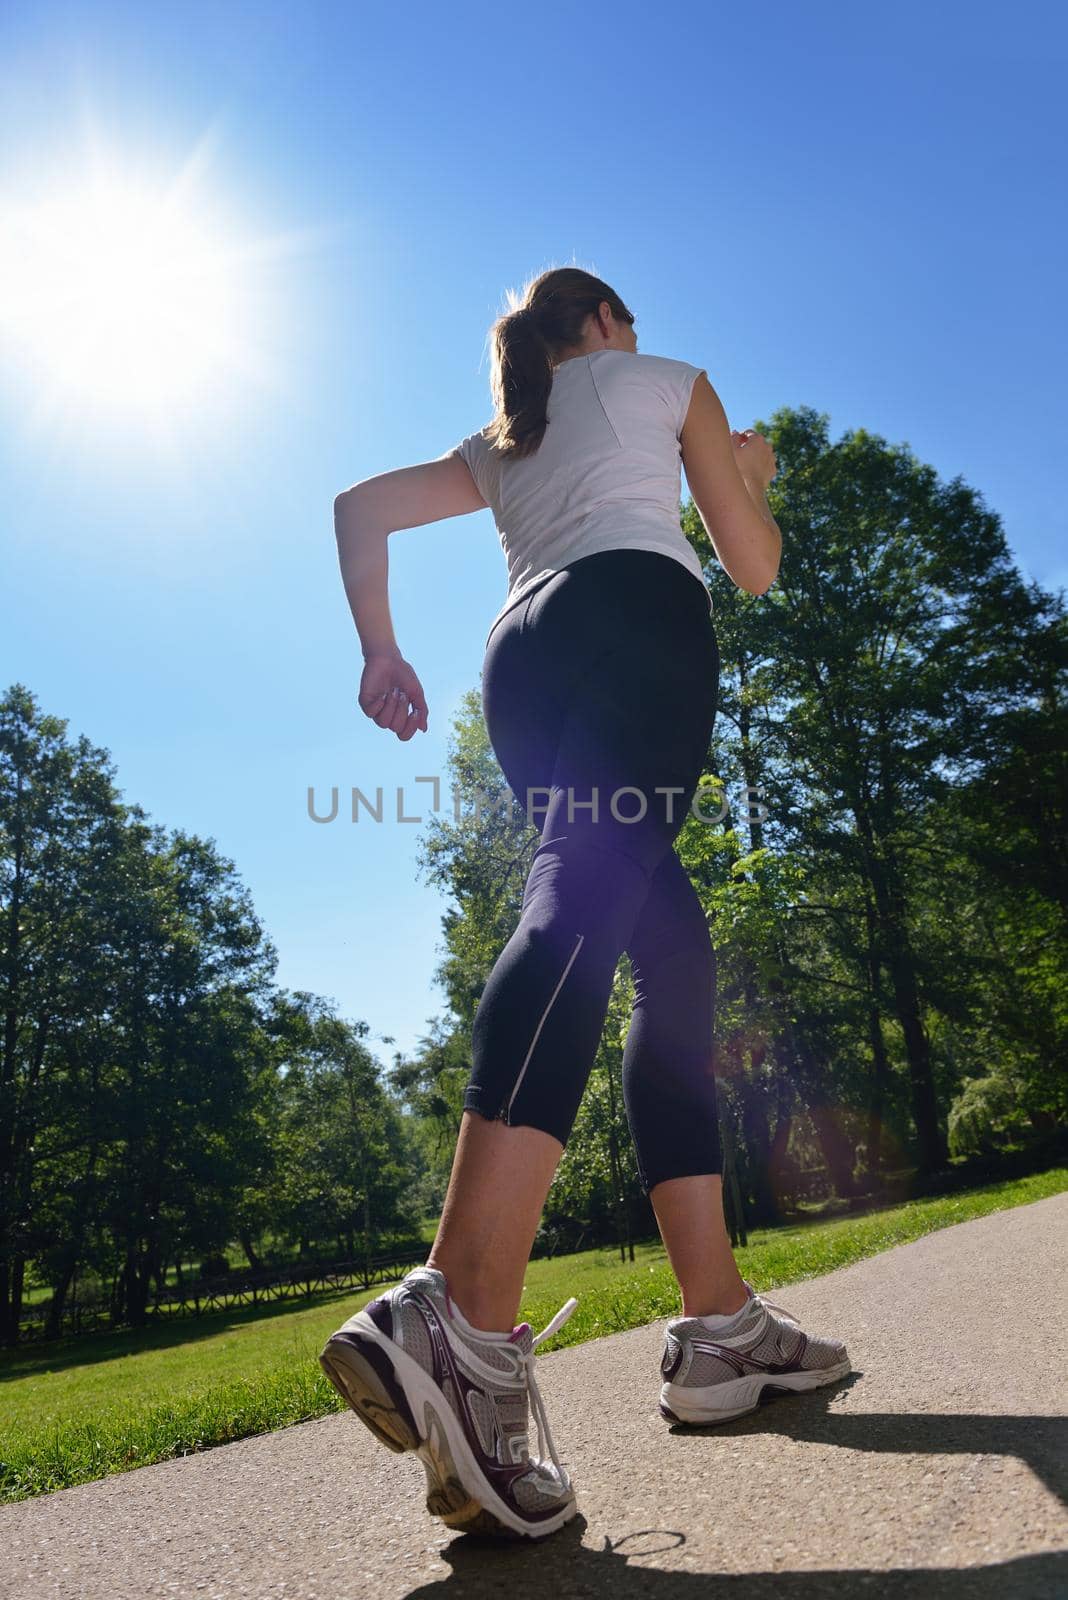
605, 476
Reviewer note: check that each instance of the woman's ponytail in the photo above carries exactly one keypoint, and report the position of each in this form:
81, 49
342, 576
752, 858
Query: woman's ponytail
525, 342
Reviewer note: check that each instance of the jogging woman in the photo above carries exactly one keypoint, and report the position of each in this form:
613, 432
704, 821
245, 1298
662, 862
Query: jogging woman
599, 690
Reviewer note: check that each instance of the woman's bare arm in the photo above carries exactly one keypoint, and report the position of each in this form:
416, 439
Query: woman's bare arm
366, 515
733, 505
364, 518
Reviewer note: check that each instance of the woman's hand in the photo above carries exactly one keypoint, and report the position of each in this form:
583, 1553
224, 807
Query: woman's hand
754, 456
386, 687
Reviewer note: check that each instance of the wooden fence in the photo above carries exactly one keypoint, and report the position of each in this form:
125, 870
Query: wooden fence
196, 1298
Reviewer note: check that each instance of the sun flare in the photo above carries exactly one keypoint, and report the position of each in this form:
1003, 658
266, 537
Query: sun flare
121, 297
125, 297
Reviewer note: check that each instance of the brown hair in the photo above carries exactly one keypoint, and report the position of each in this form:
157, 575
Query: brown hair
524, 341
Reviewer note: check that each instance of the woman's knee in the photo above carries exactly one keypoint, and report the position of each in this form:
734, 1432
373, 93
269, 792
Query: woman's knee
671, 946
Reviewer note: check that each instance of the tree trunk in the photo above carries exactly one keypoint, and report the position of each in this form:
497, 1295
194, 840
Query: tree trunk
14, 1314
131, 1287
880, 1064
54, 1320
880, 1079
784, 1121
245, 1240
117, 1296
931, 1148
5, 1295
758, 1143
733, 1205
885, 878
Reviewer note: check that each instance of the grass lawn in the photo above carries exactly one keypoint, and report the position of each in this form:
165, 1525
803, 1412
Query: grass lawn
78, 1409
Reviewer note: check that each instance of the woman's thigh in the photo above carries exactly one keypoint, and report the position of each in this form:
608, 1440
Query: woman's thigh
600, 695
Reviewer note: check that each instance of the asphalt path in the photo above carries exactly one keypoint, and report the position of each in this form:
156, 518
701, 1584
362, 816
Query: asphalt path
938, 1469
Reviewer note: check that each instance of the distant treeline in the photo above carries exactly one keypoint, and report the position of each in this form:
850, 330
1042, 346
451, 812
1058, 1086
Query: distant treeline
159, 1097
890, 921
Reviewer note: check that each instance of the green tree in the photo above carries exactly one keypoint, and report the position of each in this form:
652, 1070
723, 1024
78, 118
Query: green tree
863, 691
351, 1172
60, 820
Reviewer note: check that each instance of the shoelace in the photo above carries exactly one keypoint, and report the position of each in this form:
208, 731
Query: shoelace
770, 1305
767, 1306
545, 1436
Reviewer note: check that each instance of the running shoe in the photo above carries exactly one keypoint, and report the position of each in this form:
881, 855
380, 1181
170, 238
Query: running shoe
713, 1375
422, 1378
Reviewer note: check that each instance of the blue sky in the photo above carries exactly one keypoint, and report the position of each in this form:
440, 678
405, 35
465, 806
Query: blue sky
853, 208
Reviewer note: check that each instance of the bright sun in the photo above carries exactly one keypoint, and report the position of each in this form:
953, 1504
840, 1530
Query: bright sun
122, 297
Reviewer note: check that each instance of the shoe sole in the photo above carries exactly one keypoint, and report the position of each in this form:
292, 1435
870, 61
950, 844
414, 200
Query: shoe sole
722, 1402
387, 1389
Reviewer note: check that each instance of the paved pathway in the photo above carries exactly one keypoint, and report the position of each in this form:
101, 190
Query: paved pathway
937, 1472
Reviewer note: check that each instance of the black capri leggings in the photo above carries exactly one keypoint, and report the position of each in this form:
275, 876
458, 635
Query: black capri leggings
599, 693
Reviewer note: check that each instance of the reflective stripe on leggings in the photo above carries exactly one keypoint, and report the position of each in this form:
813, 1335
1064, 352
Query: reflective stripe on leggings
541, 1024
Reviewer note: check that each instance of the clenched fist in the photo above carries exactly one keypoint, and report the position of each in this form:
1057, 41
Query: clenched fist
754, 456
387, 688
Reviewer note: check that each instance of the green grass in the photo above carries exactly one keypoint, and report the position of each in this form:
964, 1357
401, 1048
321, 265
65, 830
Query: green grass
80, 1409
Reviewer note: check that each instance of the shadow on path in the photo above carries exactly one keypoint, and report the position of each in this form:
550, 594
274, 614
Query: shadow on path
562, 1566
1040, 1442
